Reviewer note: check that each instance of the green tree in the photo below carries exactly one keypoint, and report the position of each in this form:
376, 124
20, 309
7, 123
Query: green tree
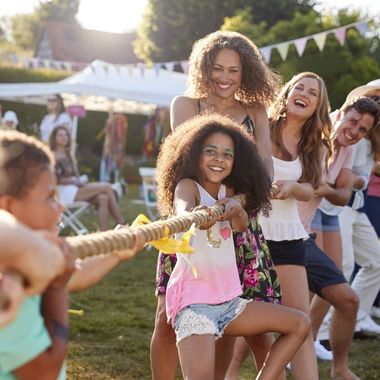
58, 10
26, 27
170, 27
342, 67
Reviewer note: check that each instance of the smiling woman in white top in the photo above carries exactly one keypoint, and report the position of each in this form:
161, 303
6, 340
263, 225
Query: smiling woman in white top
298, 120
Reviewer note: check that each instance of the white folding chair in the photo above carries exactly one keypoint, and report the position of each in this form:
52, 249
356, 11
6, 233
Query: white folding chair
71, 217
149, 187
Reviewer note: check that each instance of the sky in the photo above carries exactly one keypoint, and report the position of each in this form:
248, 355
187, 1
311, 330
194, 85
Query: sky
124, 15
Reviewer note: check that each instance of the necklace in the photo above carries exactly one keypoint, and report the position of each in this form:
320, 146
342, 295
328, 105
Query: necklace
212, 242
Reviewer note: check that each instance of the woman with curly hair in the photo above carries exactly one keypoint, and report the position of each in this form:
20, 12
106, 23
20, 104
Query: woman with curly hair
203, 292
300, 129
227, 75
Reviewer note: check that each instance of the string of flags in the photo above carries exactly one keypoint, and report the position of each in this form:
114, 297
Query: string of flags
318, 38
266, 51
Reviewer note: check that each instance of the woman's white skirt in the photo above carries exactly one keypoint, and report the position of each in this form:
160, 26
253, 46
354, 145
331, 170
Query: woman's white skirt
67, 193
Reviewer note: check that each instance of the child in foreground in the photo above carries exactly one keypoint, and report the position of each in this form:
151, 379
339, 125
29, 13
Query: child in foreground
35, 344
205, 160
24, 252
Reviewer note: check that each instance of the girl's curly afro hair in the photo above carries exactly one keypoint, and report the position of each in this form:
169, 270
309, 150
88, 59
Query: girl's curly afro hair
180, 155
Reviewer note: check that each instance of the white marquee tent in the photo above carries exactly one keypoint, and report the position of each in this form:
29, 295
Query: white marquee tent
103, 86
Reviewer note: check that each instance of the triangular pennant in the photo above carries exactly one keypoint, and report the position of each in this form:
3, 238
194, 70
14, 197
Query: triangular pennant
320, 40
68, 66
283, 49
157, 67
142, 67
35, 63
266, 52
340, 35
300, 45
185, 66
169, 66
26, 62
362, 27
117, 68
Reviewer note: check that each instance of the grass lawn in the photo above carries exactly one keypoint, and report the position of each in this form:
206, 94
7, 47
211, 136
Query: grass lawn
111, 341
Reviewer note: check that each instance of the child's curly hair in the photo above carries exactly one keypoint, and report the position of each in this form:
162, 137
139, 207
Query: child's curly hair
259, 83
22, 159
180, 155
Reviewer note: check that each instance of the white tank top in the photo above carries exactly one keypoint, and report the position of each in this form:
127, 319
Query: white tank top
284, 222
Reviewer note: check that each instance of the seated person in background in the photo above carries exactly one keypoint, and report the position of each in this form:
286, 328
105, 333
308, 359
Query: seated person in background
70, 186
56, 116
9, 121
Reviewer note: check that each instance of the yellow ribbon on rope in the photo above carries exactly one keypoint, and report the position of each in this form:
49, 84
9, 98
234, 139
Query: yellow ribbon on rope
167, 244
79, 313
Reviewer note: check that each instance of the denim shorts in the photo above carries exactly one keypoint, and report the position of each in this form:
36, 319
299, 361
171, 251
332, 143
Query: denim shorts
325, 223
206, 319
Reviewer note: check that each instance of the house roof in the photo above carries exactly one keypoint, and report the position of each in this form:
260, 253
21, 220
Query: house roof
75, 44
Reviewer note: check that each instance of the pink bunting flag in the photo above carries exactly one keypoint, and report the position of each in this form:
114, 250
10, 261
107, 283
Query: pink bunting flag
185, 66
300, 45
340, 35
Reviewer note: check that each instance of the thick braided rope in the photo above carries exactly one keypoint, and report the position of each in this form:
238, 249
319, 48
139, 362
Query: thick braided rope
103, 242
109, 241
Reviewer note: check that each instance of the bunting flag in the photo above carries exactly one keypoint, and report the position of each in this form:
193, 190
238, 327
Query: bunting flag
157, 67
266, 51
362, 27
283, 50
320, 40
340, 35
300, 45
185, 66
169, 65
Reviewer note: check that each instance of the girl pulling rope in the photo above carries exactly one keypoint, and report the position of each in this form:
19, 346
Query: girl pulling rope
204, 161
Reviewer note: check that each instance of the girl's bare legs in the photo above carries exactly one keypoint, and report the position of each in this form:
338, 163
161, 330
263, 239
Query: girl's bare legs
293, 326
197, 357
224, 349
295, 294
260, 346
331, 244
163, 349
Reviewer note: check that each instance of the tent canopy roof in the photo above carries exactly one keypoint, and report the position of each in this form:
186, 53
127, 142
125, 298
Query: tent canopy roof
102, 86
